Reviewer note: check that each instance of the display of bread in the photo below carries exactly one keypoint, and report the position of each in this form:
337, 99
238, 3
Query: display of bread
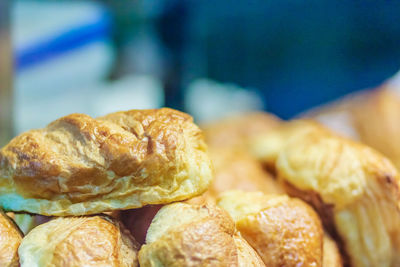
145, 188
79, 241
195, 235
10, 239
79, 165
284, 231
353, 187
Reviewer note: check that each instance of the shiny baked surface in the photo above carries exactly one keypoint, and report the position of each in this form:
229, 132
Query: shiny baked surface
80, 165
237, 170
354, 188
284, 231
10, 239
195, 235
79, 241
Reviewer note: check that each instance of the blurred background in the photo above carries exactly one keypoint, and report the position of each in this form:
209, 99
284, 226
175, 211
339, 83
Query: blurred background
208, 58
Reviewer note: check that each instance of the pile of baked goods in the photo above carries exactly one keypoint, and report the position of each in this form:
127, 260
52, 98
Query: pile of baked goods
149, 188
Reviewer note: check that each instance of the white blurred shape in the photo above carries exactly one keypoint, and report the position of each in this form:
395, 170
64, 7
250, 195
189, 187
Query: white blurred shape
131, 92
208, 100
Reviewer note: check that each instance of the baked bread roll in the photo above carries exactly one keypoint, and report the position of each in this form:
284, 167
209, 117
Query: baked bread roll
234, 167
377, 122
354, 188
284, 231
79, 165
237, 170
370, 116
331, 255
10, 238
195, 235
79, 241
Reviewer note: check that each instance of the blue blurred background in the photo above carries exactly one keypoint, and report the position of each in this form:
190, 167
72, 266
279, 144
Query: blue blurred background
209, 58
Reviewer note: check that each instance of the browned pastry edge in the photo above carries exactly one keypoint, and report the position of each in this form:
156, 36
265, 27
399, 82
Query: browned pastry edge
331, 253
12, 237
324, 210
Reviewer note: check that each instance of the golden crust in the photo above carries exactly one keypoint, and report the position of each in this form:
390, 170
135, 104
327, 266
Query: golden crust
79, 165
237, 170
79, 241
331, 253
199, 236
354, 188
247, 256
284, 231
10, 238
369, 116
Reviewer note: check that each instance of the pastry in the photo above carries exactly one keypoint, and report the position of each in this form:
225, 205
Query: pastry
195, 235
79, 241
237, 170
331, 254
10, 238
78, 165
370, 116
284, 231
353, 187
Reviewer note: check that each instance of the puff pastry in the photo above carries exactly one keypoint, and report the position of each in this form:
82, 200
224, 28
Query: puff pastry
10, 238
78, 165
201, 235
371, 117
354, 188
284, 231
331, 254
79, 241
237, 170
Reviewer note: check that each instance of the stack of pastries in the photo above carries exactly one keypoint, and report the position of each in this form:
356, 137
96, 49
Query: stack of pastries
149, 188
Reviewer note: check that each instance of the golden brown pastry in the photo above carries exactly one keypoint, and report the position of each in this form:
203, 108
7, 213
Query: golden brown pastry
372, 117
284, 231
195, 235
80, 165
10, 238
79, 241
237, 170
377, 122
354, 188
331, 254
234, 131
